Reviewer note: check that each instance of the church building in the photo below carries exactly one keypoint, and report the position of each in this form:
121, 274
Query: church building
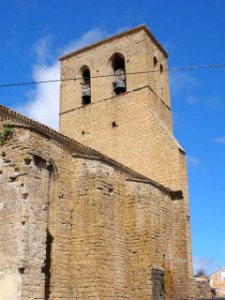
100, 209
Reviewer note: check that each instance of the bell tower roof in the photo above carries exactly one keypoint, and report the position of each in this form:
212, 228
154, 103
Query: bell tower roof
116, 36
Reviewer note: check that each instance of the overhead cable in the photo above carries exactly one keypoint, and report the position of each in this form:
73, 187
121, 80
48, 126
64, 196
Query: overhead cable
194, 67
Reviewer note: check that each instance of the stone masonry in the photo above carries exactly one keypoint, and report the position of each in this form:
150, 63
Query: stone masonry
109, 223
142, 138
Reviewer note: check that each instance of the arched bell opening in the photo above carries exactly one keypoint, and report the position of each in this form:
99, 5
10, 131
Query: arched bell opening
86, 85
118, 66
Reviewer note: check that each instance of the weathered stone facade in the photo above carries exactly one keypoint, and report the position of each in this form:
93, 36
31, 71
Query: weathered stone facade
110, 223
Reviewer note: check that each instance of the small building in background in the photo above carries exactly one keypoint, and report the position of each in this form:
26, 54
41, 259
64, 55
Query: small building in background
217, 282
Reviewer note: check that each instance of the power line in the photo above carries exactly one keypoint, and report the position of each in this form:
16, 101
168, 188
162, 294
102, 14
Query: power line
197, 67
194, 67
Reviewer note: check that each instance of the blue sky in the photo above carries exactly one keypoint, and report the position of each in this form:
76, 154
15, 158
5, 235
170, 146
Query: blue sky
33, 33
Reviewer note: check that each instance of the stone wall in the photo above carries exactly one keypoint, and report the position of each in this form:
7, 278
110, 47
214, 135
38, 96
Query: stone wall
153, 151
134, 128
79, 227
24, 207
29, 218
120, 230
9, 247
141, 141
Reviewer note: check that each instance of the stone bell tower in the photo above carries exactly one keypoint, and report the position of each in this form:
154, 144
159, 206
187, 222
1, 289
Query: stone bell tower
119, 104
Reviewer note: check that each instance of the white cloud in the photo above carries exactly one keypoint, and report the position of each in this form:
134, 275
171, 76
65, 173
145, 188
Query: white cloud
219, 140
41, 49
192, 160
43, 102
169, 47
206, 264
89, 37
192, 100
180, 81
213, 102
123, 28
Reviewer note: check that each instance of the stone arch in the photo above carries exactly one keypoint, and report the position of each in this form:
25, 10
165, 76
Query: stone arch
117, 67
85, 75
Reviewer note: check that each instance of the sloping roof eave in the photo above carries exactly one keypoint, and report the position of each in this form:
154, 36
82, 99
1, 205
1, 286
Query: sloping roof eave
9, 114
115, 36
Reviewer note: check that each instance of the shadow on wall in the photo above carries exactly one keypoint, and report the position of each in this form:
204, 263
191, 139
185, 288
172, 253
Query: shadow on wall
47, 266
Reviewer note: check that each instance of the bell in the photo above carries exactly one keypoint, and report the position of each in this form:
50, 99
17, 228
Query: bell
86, 93
120, 86
86, 97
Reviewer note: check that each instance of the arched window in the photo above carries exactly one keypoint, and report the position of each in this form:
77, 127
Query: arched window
86, 85
155, 61
117, 62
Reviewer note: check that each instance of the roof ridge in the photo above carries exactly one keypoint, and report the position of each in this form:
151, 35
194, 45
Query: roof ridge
117, 35
219, 270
